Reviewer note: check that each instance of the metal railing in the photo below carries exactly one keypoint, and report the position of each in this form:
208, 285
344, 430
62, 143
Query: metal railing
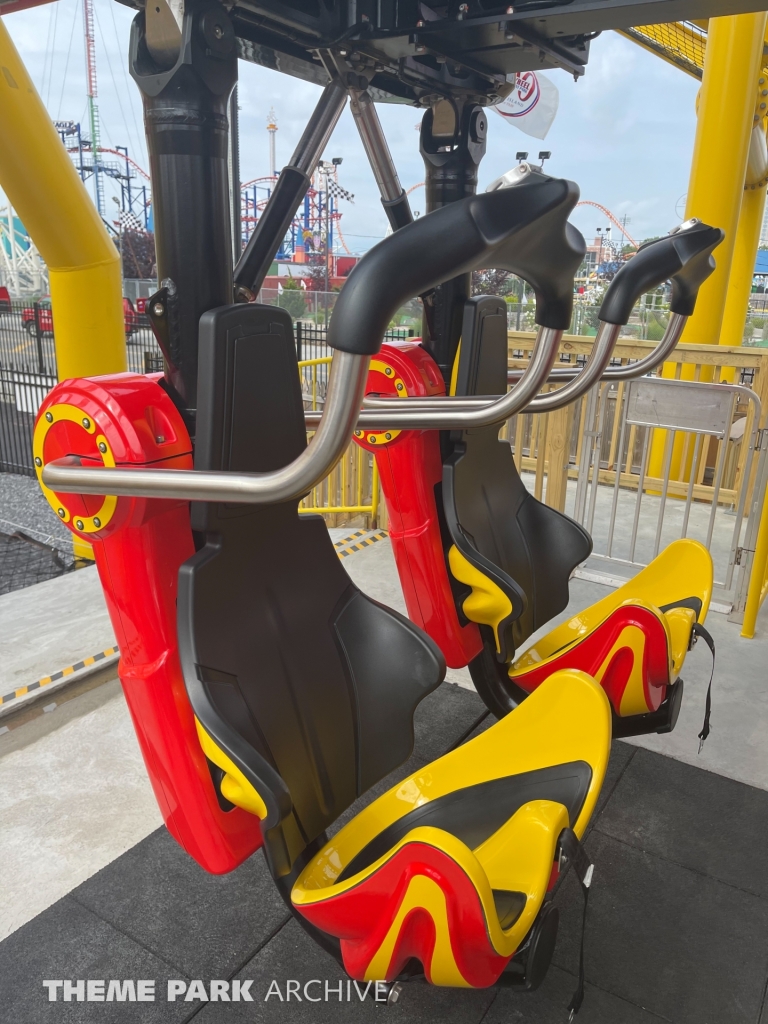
21, 393
673, 436
607, 461
27, 340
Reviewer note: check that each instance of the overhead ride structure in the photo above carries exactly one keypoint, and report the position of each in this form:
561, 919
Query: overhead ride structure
268, 693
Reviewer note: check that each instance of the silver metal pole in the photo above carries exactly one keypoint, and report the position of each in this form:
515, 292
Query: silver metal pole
628, 372
320, 127
599, 357
669, 444
617, 484
691, 482
585, 457
345, 391
376, 149
640, 489
443, 417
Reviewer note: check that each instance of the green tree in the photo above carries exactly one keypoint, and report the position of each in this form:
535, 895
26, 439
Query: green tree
293, 299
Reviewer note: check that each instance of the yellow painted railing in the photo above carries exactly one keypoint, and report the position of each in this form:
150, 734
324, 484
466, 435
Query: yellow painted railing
758, 580
351, 489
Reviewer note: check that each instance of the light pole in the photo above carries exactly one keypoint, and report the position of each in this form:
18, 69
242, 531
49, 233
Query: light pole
326, 169
600, 254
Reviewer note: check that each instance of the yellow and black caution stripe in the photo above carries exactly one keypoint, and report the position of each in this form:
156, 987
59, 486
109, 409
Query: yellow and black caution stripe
347, 547
22, 691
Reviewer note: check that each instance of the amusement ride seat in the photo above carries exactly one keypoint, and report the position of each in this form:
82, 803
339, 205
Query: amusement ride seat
484, 564
298, 690
304, 689
516, 555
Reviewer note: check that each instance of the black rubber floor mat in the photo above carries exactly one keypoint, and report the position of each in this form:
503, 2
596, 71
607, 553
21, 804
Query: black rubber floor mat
677, 926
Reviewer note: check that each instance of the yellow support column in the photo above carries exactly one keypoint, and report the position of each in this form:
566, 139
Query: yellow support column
746, 243
727, 102
726, 117
42, 184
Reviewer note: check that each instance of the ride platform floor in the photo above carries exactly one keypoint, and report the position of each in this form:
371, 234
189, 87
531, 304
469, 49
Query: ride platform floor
677, 928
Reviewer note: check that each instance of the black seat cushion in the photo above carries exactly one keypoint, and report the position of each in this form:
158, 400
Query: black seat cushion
526, 547
307, 684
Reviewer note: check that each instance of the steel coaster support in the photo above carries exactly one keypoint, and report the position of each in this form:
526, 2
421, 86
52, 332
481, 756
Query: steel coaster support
727, 114
728, 110
186, 73
292, 185
747, 238
452, 144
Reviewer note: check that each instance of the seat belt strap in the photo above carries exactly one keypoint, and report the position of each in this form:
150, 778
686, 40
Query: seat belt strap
578, 859
699, 631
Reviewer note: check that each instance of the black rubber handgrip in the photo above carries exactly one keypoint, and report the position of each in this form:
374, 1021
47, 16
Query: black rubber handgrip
271, 228
684, 256
522, 228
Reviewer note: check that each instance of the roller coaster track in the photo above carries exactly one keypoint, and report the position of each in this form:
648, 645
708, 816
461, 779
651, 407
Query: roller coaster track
121, 156
611, 218
584, 202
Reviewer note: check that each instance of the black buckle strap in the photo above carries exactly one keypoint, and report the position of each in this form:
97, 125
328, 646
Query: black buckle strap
699, 631
578, 859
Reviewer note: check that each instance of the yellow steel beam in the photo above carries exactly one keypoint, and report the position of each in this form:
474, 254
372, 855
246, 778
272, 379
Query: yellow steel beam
42, 184
726, 117
745, 249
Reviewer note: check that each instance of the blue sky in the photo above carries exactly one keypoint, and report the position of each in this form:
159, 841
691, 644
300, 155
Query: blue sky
624, 132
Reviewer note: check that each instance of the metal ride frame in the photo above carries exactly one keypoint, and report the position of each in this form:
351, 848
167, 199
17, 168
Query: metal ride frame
186, 73
197, 219
451, 173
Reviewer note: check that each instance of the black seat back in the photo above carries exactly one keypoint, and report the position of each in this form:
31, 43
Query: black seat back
305, 683
524, 546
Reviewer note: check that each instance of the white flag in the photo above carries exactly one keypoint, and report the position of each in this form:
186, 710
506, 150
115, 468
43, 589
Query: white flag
532, 104
279, 288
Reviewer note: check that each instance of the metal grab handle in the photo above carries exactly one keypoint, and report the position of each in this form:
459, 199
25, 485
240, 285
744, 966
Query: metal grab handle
455, 413
522, 228
581, 381
391, 408
598, 360
334, 432
629, 371
684, 256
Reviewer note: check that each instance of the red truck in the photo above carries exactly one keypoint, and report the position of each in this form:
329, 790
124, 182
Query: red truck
45, 318
5, 300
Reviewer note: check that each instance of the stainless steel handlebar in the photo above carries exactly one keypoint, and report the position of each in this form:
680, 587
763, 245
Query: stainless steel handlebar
580, 382
582, 379
334, 432
446, 413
